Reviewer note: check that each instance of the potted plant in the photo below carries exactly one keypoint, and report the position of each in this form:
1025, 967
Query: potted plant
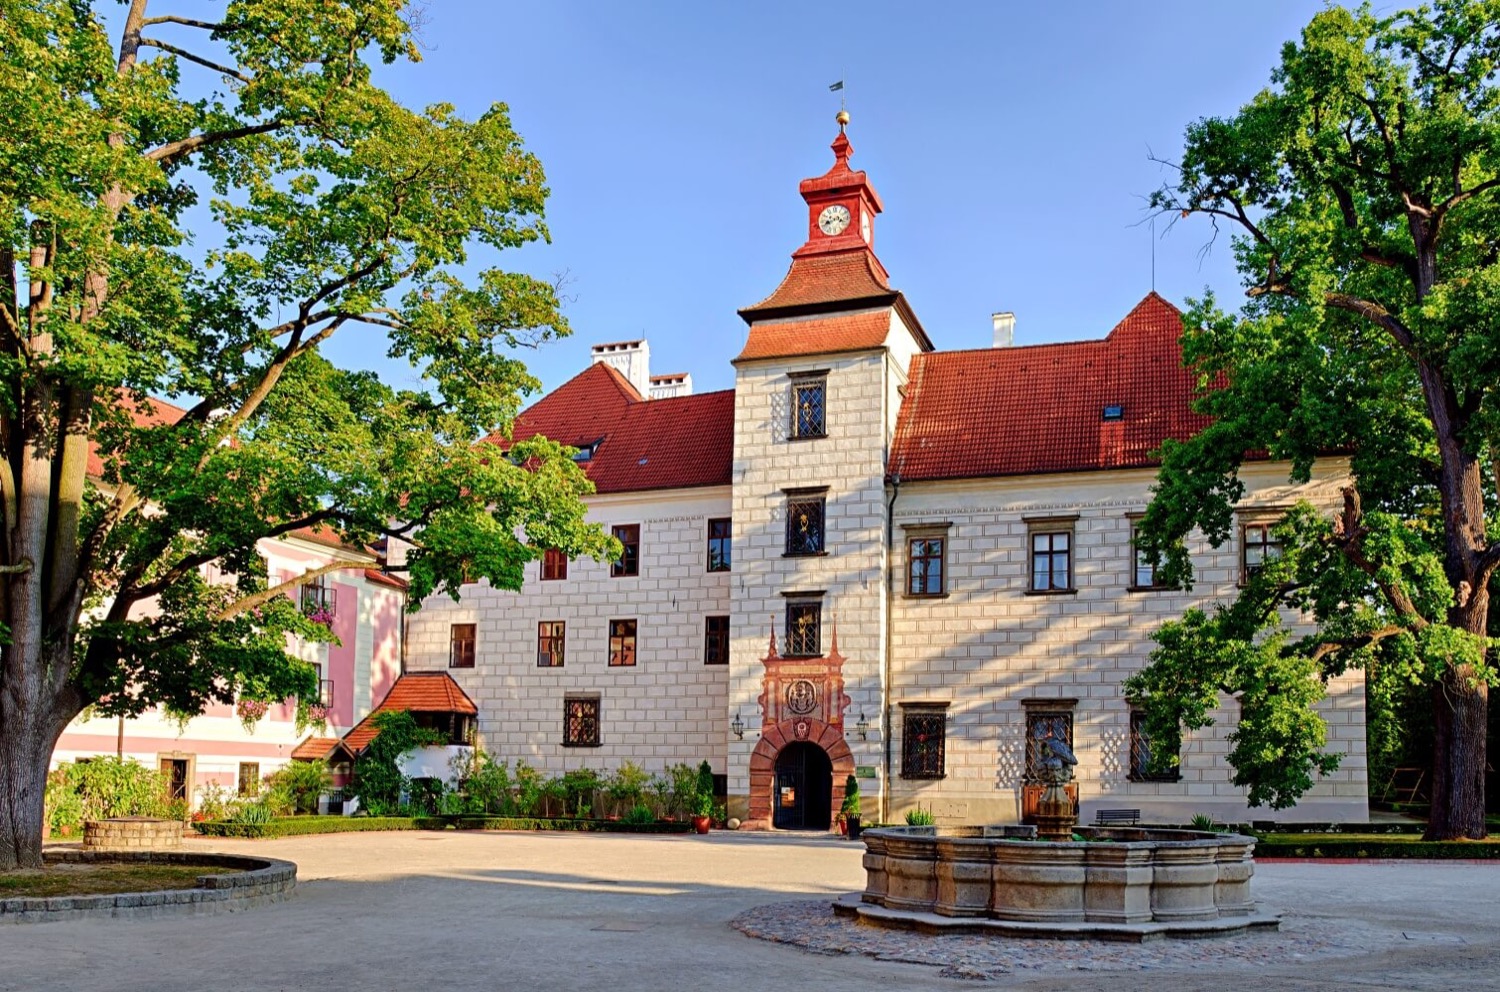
703, 812
849, 811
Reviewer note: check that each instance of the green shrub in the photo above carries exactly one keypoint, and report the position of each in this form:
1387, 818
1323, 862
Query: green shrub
580, 826
303, 825
64, 804
109, 786
252, 819
215, 802
296, 786
638, 816
529, 789
919, 817
684, 794
627, 786
487, 786
377, 781
427, 795
850, 806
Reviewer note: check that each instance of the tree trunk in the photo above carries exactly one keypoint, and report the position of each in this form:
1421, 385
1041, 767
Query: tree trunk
29, 729
1460, 716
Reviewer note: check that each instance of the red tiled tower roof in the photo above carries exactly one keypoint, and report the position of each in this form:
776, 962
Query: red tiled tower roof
680, 442
817, 336
419, 692
1040, 409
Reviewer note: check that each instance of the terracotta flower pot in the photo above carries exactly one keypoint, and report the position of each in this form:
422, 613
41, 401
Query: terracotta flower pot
702, 823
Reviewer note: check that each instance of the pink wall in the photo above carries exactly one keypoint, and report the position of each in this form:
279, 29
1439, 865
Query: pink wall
385, 653
341, 655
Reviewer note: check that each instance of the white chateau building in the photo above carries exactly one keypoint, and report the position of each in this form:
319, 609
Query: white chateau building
872, 558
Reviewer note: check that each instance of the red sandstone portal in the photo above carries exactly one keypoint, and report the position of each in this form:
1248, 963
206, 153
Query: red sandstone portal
801, 699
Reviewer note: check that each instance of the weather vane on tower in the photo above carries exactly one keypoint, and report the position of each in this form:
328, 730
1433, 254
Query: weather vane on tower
843, 114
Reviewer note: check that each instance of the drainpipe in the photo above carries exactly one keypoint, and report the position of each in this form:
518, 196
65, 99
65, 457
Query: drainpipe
890, 624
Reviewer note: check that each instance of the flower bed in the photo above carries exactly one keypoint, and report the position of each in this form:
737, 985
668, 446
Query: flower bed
296, 826
587, 826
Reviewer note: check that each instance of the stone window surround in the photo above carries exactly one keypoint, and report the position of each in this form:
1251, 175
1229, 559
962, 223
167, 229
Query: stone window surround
1039, 708
802, 494
463, 645
551, 644
807, 598
1052, 523
919, 709
800, 380
629, 564
583, 699
916, 532
1134, 519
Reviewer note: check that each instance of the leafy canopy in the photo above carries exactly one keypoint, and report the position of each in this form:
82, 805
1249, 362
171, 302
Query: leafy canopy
1361, 190
192, 214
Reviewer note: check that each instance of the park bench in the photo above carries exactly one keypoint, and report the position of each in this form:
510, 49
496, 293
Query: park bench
1106, 817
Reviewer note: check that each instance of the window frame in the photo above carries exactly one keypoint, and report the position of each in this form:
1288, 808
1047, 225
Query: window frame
814, 608
551, 643
253, 782
1140, 748
625, 654
912, 558
810, 498
585, 702
317, 593
1136, 566
554, 566
1052, 528
808, 381
629, 563
725, 541
454, 640
1037, 710
912, 713
713, 638
1266, 525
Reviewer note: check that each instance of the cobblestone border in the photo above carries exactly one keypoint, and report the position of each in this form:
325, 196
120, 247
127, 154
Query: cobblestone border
257, 882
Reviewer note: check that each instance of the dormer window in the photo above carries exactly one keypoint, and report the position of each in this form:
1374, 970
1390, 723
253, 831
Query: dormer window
1114, 412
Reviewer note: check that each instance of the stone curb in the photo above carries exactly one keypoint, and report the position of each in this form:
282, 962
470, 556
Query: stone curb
850, 906
259, 881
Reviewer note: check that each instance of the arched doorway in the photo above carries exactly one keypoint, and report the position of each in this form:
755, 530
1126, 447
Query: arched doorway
804, 787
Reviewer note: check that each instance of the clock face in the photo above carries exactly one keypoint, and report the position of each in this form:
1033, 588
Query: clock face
833, 219
864, 227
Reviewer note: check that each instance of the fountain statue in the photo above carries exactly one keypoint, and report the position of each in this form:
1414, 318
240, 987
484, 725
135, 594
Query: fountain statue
1055, 815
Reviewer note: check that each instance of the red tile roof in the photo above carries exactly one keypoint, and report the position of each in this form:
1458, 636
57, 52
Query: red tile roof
420, 692
817, 336
834, 278
1019, 411
381, 578
161, 412
677, 443
315, 748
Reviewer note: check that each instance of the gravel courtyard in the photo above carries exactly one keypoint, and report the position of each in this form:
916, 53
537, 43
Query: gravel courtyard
574, 911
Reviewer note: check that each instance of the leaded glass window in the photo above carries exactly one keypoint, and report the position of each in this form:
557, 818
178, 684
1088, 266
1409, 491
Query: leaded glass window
1140, 753
923, 738
804, 525
803, 634
809, 402
1041, 725
581, 721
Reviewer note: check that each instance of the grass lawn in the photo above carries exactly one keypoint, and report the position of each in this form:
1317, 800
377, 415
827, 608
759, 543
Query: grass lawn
101, 879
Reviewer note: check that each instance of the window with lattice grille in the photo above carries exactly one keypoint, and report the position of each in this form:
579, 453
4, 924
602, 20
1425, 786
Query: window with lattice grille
804, 623
804, 525
1042, 724
1140, 754
923, 740
809, 408
581, 721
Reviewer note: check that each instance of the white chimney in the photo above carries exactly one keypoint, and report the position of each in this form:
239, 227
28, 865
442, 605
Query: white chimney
632, 359
676, 384
1005, 328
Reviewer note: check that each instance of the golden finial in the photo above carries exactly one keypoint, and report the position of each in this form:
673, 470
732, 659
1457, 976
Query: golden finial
842, 118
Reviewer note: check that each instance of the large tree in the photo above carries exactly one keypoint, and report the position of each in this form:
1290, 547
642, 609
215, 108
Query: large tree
191, 212
1363, 192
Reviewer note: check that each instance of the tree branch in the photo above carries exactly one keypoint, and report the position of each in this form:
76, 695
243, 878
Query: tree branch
189, 22
1441, 210
1326, 648
1348, 537
1378, 314
266, 595
173, 150
185, 54
194, 562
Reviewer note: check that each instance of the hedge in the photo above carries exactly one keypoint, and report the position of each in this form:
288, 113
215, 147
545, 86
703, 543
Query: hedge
587, 826
1370, 847
294, 826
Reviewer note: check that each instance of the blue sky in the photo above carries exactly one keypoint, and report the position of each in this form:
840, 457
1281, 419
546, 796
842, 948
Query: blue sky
1009, 142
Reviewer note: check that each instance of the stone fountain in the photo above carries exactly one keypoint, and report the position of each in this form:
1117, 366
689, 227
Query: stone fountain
1055, 816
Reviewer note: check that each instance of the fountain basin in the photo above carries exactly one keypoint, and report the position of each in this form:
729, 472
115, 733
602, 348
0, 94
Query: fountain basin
1119, 881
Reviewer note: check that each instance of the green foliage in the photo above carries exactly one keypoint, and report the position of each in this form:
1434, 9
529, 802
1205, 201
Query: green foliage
302, 825
163, 234
529, 790
1380, 847
573, 825
1363, 188
215, 802
850, 806
919, 817
627, 784
64, 804
683, 799
295, 787
488, 787
107, 787
378, 781
638, 816
252, 819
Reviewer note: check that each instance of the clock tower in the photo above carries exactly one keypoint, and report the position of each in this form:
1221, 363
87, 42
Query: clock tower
841, 205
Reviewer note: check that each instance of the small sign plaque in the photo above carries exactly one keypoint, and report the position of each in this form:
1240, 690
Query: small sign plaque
865, 771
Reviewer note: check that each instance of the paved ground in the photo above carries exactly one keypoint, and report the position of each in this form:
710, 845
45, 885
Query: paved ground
455, 911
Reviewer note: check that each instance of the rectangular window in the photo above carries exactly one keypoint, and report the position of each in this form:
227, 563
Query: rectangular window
804, 525
718, 545
581, 721
249, 780
1052, 561
1140, 753
317, 596
551, 639
925, 569
1258, 545
1042, 724
809, 406
629, 563
1144, 575
621, 643
716, 641
461, 645
923, 738
803, 634
554, 565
